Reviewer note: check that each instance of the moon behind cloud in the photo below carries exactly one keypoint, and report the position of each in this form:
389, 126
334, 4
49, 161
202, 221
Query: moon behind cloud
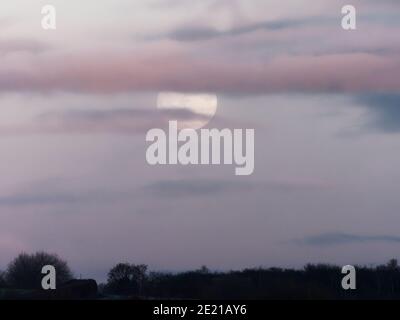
202, 106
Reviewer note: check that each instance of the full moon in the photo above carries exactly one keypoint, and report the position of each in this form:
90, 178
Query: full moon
201, 107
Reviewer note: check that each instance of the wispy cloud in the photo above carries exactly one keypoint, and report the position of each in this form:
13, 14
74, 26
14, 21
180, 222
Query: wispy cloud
210, 187
22, 45
58, 192
188, 33
329, 239
185, 188
65, 198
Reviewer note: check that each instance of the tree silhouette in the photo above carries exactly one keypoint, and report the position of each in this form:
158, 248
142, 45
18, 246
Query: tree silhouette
126, 278
25, 271
392, 264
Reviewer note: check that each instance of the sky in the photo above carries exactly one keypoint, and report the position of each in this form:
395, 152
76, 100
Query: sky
76, 103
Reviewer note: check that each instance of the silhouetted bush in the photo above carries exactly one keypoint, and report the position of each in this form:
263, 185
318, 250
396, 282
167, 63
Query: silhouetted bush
2, 280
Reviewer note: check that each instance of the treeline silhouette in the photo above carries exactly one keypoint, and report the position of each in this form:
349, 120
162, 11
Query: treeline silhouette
22, 280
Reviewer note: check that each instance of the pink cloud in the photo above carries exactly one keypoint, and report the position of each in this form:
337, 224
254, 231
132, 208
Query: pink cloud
99, 72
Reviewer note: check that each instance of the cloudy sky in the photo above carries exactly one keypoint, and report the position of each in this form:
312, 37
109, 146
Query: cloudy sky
76, 104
